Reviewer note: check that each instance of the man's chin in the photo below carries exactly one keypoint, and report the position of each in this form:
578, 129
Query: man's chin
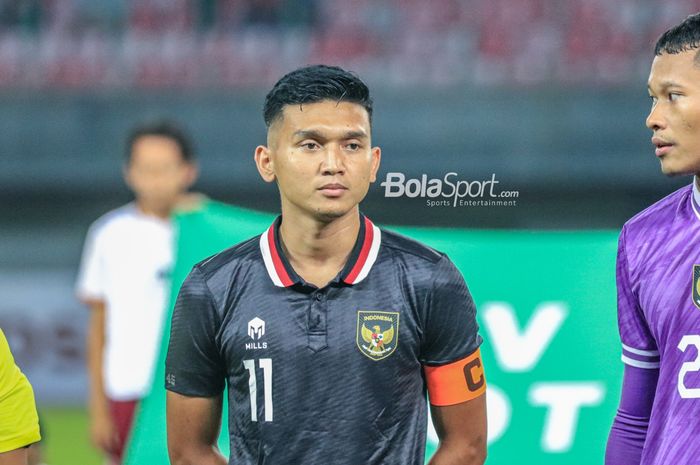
328, 216
670, 170
331, 214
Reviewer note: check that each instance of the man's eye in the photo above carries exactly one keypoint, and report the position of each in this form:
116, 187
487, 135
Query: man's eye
310, 145
353, 147
673, 96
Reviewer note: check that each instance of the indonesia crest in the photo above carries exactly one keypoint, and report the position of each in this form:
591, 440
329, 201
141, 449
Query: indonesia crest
696, 285
377, 333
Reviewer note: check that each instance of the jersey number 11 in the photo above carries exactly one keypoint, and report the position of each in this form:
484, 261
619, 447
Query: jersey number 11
266, 365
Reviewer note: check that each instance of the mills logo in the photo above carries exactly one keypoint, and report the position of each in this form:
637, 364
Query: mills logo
256, 330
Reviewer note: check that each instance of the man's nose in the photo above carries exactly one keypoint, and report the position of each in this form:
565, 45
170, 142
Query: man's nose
332, 160
656, 119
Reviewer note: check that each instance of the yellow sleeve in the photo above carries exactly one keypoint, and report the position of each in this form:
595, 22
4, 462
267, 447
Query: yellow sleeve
19, 422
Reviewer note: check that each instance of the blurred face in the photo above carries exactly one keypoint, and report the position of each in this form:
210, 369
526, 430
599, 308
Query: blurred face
321, 156
674, 87
157, 173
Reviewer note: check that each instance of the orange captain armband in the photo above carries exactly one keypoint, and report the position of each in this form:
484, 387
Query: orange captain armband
456, 382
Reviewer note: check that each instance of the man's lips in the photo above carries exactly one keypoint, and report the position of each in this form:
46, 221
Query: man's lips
662, 146
333, 190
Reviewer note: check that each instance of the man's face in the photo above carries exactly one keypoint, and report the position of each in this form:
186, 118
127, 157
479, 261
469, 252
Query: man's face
157, 173
320, 154
674, 86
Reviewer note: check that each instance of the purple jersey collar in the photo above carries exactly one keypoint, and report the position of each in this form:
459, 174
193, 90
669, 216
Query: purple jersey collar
695, 200
362, 257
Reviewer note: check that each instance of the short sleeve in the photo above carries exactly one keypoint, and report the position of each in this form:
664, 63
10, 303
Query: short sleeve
91, 277
193, 365
19, 423
450, 329
450, 350
639, 347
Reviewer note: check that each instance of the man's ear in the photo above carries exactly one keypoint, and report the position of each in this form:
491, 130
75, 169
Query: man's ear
126, 175
265, 163
192, 173
376, 160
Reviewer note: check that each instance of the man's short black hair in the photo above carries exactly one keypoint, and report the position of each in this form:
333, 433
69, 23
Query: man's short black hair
681, 38
162, 128
313, 84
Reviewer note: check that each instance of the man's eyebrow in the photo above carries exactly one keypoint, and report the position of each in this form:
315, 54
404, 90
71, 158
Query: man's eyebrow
355, 135
666, 84
314, 134
308, 134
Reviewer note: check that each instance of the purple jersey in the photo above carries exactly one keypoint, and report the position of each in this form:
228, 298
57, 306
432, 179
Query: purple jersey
658, 283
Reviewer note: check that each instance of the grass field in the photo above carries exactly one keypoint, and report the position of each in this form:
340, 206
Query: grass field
66, 442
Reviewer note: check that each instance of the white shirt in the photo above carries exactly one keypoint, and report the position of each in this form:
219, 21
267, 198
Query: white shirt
127, 261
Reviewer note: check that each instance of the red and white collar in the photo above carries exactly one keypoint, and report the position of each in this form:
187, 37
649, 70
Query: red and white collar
363, 255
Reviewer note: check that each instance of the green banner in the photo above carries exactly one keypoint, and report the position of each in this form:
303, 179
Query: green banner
546, 305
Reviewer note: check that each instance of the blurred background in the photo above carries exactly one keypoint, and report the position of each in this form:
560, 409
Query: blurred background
547, 95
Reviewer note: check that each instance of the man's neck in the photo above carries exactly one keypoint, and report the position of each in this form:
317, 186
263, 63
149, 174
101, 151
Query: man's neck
319, 250
159, 212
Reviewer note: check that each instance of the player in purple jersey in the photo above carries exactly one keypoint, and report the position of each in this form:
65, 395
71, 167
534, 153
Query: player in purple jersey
658, 277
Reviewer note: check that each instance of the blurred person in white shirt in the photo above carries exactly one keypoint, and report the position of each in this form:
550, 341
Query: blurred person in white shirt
124, 278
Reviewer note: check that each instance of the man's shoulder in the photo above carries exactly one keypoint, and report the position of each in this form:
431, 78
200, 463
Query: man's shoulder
113, 219
661, 213
231, 258
410, 248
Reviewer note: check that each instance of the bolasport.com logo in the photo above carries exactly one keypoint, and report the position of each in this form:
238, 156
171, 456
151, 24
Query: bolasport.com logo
450, 191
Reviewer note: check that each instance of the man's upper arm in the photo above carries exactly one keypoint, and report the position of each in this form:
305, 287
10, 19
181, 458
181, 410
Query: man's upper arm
194, 375
14, 457
453, 368
193, 423
641, 358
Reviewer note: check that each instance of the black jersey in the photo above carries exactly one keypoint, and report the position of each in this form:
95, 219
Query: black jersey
335, 375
